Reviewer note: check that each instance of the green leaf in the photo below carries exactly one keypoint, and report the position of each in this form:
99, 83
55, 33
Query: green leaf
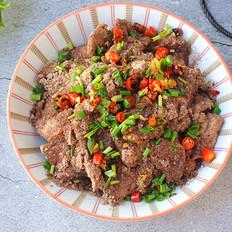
147, 129
80, 114
47, 165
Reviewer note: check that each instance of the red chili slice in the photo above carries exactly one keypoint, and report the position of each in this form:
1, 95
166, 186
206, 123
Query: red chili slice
214, 92
144, 83
161, 52
114, 57
72, 98
120, 116
132, 83
98, 158
63, 102
150, 32
136, 197
118, 34
113, 108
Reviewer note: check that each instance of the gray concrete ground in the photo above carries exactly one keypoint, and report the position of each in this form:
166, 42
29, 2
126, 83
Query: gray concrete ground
23, 207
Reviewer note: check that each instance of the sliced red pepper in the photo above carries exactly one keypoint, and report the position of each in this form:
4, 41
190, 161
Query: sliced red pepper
113, 108
83, 98
144, 83
118, 34
136, 197
96, 101
188, 143
161, 52
63, 102
155, 85
150, 32
114, 57
72, 98
132, 83
214, 92
208, 155
120, 116
98, 158
131, 99
152, 120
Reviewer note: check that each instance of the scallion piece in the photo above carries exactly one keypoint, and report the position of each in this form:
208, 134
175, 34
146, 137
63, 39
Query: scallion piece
182, 80
97, 79
76, 181
47, 165
98, 70
157, 141
117, 76
110, 173
36, 97
77, 72
167, 133
113, 182
160, 101
95, 58
91, 133
125, 92
132, 33
63, 55
126, 103
52, 169
99, 50
101, 145
60, 68
174, 92
173, 136
72, 151
167, 31
55, 106
90, 144
37, 92
115, 131
114, 154
120, 46
80, 114
169, 60
146, 152
147, 129
172, 148
70, 45
107, 150
216, 109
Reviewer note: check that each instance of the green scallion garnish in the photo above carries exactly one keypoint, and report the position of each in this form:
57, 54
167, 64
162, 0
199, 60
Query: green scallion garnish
63, 55
160, 101
80, 114
182, 80
216, 109
98, 70
95, 58
52, 169
146, 152
90, 144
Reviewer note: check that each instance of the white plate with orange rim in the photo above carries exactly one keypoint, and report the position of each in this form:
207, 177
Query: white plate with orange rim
76, 27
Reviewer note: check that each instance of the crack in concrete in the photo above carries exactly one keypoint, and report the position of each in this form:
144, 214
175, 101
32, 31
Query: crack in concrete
222, 43
11, 180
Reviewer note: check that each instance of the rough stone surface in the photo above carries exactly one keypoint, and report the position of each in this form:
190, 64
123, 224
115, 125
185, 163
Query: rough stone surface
23, 207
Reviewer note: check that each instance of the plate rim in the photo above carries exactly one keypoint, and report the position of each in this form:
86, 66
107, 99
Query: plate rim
12, 138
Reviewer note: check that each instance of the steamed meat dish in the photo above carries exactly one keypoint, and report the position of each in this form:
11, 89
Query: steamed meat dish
125, 116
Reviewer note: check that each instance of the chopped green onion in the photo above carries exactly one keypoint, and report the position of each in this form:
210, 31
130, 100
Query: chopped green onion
115, 131
116, 75
72, 151
60, 68
110, 173
93, 130
80, 114
52, 169
157, 141
132, 33
47, 165
163, 64
148, 72
114, 154
70, 45
143, 92
77, 72
117, 98
126, 75
173, 136
169, 60
172, 148
126, 103
125, 92
4, 4
193, 131
36, 97
77, 181
147, 129
72, 116
182, 80
95, 58
113, 182
216, 109
63, 55
146, 152
37, 92
97, 79
75, 89
99, 50
107, 150
55, 106
90, 144
167, 31
167, 133
98, 70
101, 145
120, 46
174, 92
160, 101
159, 121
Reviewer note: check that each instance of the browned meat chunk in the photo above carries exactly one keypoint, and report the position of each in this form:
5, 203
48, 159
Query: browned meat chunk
115, 193
98, 38
79, 53
202, 103
171, 163
146, 172
209, 131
